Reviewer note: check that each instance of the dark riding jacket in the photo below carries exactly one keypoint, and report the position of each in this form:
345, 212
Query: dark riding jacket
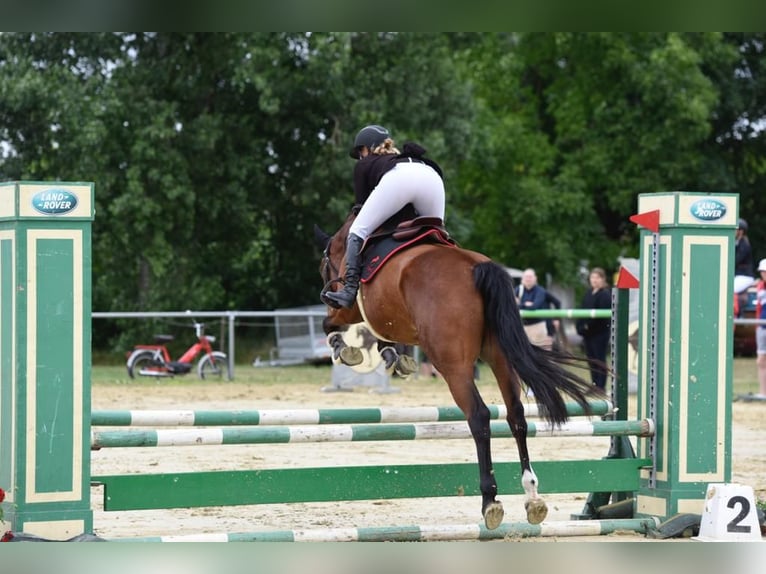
369, 170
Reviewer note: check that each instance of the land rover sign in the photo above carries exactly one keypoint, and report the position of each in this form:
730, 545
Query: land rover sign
708, 209
54, 201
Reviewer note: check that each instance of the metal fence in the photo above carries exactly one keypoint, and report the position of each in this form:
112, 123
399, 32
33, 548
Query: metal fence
298, 331
288, 325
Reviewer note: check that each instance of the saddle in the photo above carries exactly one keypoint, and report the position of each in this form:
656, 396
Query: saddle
409, 229
387, 241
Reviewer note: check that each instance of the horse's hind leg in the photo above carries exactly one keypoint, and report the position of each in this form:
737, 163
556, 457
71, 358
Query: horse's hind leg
535, 506
476, 412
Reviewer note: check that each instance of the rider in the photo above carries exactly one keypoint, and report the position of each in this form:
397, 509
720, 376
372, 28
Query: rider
385, 180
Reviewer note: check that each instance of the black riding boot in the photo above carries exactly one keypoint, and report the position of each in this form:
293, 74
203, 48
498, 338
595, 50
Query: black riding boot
346, 296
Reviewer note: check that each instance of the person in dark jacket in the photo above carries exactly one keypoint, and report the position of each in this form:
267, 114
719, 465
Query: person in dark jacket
385, 180
532, 297
743, 267
595, 332
743, 259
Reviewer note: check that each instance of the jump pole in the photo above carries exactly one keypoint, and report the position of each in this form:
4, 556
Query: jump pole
420, 533
274, 417
685, 346
45, 356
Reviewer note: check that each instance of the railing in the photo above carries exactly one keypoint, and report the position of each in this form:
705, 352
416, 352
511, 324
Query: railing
232, 316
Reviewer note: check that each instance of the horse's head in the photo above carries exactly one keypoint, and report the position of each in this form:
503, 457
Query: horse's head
333, 251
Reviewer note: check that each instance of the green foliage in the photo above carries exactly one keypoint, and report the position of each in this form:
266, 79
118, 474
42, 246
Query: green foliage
577, 126
215, 154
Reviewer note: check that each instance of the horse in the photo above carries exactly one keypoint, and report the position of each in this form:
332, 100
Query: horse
459, 306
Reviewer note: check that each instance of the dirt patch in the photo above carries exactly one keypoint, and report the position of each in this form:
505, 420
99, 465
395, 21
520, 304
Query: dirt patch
749, 460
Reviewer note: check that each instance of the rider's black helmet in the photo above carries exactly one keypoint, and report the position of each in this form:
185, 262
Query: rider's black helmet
369, 136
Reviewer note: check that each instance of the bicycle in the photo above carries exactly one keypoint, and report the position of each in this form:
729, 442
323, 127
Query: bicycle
155, 361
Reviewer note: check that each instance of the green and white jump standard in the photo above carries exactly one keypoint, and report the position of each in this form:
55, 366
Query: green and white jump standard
685, 347
45, 346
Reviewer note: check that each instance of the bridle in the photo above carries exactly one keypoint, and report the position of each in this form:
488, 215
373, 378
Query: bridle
327, 270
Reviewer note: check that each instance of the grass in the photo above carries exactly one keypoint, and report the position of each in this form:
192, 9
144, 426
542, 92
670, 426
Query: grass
243, 373
744, 374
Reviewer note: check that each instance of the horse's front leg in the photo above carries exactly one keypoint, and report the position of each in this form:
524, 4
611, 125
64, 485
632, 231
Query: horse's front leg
535, 506
341, 352
478, 422
396, 359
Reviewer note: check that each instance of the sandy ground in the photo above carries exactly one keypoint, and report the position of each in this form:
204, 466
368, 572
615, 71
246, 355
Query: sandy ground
749, 460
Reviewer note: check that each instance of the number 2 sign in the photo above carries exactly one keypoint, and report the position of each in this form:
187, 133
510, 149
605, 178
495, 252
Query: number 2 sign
729, 514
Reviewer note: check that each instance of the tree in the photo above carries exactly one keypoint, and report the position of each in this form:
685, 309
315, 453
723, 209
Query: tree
735, 150
213, 154
577, 126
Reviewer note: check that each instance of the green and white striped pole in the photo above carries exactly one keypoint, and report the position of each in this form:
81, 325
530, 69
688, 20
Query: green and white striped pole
357, 433
45, 357
357, 415
685, 346
421, 533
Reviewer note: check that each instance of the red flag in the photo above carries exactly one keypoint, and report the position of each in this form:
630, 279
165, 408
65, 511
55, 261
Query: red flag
626, 280
650, 220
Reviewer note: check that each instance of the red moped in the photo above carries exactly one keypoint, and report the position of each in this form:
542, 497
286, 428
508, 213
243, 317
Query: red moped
155, 361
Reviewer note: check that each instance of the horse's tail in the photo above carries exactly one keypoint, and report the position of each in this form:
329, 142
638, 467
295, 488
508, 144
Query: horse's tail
542, 370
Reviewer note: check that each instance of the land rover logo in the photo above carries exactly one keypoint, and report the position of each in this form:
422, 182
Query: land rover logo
708, 209
54, 201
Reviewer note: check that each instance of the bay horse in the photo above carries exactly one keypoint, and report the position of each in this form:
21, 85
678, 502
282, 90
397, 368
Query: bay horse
459, 306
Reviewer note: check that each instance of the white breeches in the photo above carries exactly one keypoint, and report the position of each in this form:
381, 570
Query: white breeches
414, 183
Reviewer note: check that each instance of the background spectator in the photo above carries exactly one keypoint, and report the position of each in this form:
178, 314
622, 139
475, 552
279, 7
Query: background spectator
595, 332
553, 326
760, 331
743, 259
532, 297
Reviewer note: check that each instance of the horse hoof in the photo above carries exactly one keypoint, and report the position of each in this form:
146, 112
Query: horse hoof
493, 515
537, 510
351, 356
405, 366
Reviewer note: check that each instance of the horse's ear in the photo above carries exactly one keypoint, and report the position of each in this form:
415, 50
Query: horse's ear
321, 238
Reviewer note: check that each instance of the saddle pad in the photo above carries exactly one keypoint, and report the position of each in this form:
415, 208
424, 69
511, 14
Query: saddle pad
380, 250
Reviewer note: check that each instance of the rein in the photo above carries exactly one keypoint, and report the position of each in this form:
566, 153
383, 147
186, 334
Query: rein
328, 270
